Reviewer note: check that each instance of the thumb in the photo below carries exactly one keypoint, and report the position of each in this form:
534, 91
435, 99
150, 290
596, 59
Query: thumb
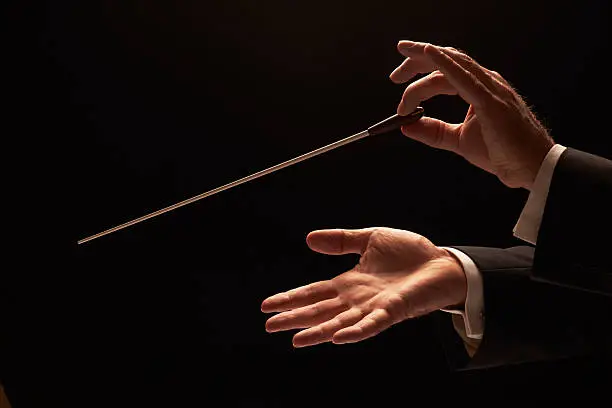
433, 132
339, 241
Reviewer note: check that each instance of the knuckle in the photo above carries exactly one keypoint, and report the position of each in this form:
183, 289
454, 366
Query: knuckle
314, 310
461, 54
336, 322
502, 104
437, 137
427, 46
318, 331
423, 242
437, 77
308, 292
464, 56
503, 175
398, 307
377, 233
369, 320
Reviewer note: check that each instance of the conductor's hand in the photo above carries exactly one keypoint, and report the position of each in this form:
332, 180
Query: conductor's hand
499, 134
400, 275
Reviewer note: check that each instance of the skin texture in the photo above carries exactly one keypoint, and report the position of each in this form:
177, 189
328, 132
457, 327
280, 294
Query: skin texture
500, 134
400, 275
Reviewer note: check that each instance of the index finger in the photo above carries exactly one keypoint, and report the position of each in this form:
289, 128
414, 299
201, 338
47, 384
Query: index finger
299, 297
468, 86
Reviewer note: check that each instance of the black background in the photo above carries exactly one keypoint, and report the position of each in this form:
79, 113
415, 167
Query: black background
118, 108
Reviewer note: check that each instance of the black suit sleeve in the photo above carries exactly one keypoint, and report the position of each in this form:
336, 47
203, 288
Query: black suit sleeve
574, 244
529, 321
553, 301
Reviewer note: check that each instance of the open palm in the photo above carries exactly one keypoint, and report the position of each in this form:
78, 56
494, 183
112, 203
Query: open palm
400, 275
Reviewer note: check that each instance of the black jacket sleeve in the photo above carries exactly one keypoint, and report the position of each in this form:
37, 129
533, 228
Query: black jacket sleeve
553, 301
574, 246
529, 321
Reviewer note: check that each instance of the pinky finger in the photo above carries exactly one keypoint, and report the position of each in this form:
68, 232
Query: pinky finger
372, 324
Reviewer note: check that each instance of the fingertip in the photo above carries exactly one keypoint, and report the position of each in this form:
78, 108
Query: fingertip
309, 237
269, 327
295, 342
267, 306
406, 107
341, 338
401, 109
326, 241
405, 45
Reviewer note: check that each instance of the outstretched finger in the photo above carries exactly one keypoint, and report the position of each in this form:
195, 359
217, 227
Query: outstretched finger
491, 80
339, 241
299, 297
423, 89
306, 316
469, 87
374, 323
417, 64
325, 331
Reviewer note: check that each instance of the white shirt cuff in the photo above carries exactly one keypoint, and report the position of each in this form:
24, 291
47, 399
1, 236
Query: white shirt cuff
528, 225
472, 314
526, 228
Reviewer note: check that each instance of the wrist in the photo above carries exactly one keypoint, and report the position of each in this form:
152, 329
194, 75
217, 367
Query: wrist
454, 268
537, 158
